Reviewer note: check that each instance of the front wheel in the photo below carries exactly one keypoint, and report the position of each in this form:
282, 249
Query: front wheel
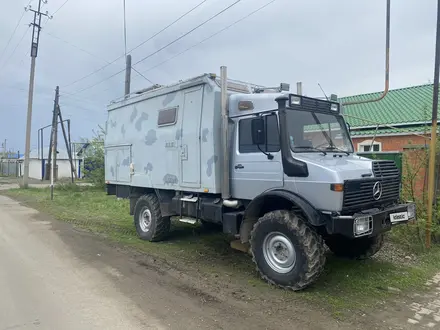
357, 248
287, 252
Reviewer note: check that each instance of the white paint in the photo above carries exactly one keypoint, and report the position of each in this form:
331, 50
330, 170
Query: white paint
35, 168
366, 144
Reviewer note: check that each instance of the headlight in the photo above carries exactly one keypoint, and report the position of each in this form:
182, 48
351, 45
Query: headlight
411, 211
363, 226
296, 100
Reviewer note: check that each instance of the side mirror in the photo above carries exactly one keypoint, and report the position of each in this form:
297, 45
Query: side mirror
258, 131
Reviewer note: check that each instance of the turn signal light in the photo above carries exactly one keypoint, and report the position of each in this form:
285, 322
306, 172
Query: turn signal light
338, 187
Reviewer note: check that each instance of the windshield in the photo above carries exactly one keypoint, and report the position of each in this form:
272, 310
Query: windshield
316, 131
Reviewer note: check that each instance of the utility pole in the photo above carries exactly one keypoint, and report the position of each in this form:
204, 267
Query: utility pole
432, 146
54, 129
66, 140
4, 149
54, 171
127, 75
34, 52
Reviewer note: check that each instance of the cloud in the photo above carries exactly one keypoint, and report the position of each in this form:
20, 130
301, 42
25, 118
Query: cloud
339, 44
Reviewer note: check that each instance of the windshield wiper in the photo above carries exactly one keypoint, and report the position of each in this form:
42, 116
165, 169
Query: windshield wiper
333, 148
329, 140
310, 148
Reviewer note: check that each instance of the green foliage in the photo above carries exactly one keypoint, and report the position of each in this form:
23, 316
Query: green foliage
413, 235
94, 163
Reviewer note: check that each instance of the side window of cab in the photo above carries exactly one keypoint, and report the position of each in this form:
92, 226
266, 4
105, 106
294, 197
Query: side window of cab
272, 144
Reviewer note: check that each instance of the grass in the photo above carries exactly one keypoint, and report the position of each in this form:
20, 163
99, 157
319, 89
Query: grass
344, 286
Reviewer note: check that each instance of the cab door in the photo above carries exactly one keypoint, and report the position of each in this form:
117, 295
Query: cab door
252, 172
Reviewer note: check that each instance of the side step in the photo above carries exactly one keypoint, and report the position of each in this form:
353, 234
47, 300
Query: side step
189, 198
191, 221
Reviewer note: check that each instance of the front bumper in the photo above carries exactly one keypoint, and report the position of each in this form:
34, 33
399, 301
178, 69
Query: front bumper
375, 221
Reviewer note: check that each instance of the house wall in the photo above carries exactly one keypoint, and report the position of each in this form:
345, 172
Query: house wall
414, 160
393, 143
35, 168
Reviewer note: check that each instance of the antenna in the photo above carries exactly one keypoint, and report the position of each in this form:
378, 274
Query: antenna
323, 91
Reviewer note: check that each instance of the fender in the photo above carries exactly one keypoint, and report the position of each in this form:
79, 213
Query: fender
314, 217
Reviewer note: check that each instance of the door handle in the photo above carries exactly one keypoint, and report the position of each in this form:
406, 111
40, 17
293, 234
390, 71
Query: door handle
239, 166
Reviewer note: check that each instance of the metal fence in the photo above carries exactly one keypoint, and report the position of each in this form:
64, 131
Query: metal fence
10, 167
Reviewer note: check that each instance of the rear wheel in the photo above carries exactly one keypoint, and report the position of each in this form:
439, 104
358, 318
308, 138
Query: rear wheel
148, 220
357, 248
287, 252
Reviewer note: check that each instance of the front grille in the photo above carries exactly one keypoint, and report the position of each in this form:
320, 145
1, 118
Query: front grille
358, 194
385, 169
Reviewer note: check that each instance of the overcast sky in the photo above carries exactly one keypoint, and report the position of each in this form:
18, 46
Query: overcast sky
339, 44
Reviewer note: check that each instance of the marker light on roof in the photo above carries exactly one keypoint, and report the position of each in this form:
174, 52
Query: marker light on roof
245, 105
296, 100
334, 107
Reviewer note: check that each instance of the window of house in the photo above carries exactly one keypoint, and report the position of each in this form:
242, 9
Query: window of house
365, 146
167, 117
272, 136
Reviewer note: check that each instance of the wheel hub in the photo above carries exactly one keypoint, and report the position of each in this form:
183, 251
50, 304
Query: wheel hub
145, 220
279, 252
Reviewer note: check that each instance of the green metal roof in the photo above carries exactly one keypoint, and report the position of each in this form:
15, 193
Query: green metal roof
420, 129
400, 106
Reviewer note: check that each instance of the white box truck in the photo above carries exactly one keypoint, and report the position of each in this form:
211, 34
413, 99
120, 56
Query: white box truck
275, 169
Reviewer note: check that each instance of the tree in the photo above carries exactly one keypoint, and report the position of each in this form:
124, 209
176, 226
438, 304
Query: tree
94, 163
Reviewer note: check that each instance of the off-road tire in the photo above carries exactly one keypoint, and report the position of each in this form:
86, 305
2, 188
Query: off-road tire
358, 248
309, 248
159, 227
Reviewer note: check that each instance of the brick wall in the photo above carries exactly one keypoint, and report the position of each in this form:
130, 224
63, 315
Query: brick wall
394, 143
415, 162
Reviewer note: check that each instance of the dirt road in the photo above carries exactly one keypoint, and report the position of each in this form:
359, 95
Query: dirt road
55, 277
42, 285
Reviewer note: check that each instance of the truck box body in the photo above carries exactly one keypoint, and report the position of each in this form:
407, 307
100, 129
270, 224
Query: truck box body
168, 138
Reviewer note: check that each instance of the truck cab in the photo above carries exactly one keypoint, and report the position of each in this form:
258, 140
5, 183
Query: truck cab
299, 155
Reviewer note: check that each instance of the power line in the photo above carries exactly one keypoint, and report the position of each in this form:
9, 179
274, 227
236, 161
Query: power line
202, 41
141, 44
77, 99
189, 32
13, 52
162, 48
75, 46
140, 74
13, 32
56, 11
211, 36
90, 53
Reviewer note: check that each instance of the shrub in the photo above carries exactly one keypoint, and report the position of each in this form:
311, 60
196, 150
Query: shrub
94, 163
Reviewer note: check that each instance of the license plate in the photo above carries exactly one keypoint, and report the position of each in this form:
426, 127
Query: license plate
397, 217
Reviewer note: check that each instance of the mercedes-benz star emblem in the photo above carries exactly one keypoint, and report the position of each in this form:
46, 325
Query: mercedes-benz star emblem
377, 190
